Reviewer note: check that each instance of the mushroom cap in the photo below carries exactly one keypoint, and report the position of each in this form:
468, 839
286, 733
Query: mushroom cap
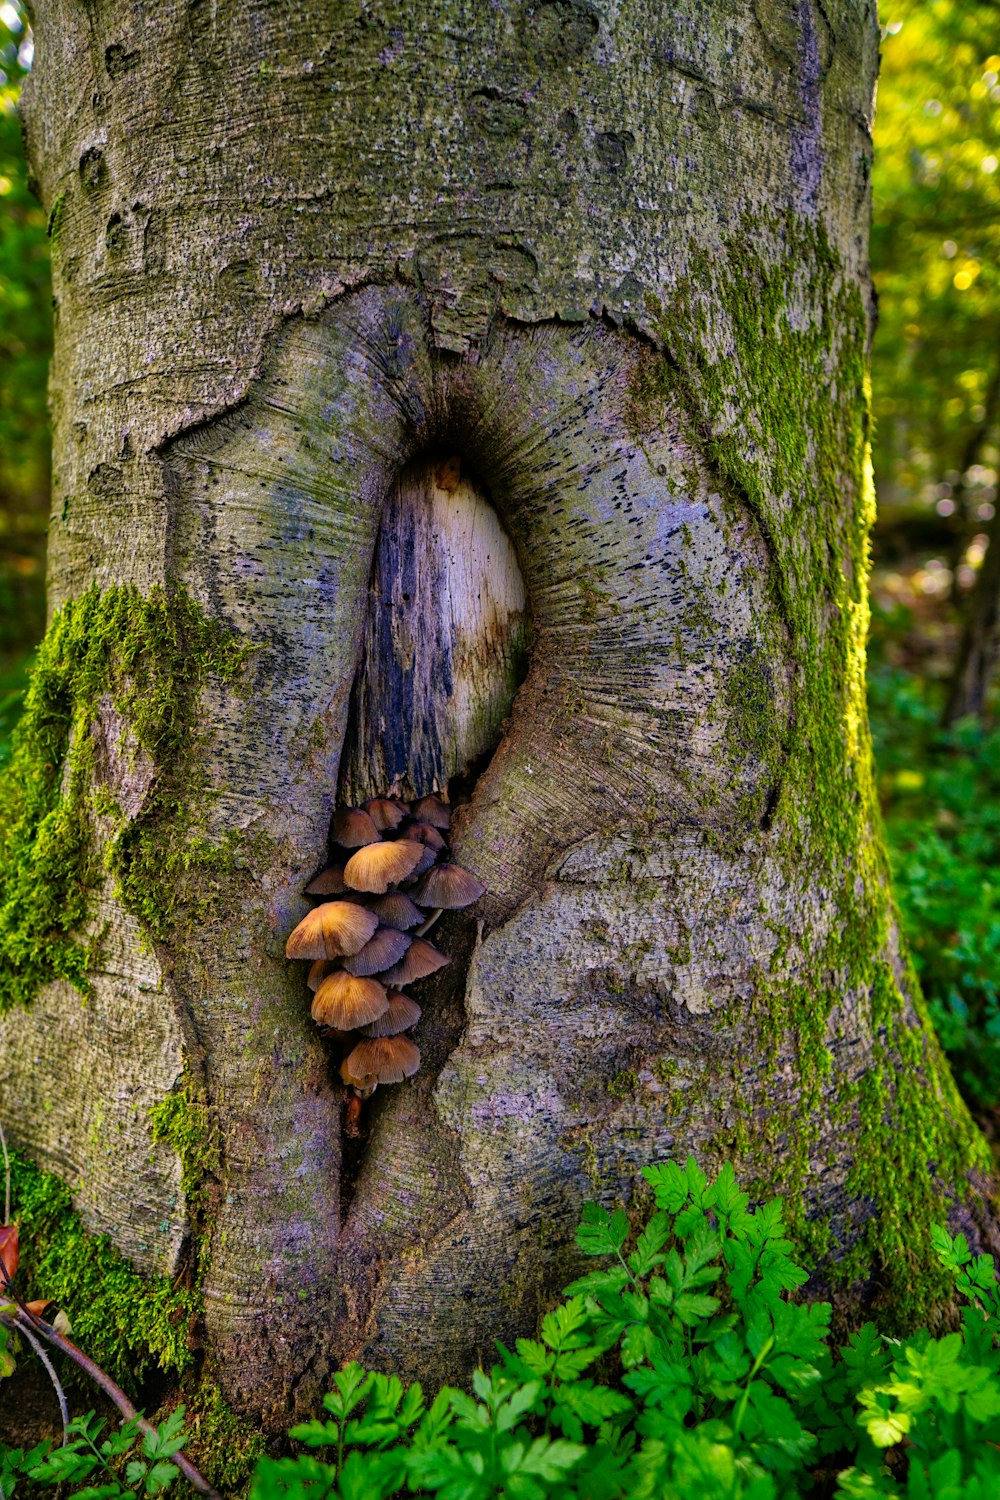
347, 1000
364, 1083
379, 866
419, 960
425, 861
385, 949
432, 810
332, 930
352, 828
319, 970
389, 1059
397, 910
385, 812
424, 833
329, 882
400, 1016
449, 886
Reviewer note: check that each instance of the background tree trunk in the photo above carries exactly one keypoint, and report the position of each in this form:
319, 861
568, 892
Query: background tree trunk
613, 259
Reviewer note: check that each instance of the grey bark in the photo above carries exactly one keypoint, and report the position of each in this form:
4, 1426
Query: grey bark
300, 250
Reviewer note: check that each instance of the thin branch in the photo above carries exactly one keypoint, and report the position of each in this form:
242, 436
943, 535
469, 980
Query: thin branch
193, 1476
50, 1369
115, 1393
6, 1163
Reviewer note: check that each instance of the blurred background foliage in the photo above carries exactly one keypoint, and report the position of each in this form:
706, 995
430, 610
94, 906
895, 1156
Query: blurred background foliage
25, 341
936, 396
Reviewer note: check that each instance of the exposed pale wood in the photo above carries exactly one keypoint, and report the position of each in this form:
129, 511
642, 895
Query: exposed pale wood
445, 637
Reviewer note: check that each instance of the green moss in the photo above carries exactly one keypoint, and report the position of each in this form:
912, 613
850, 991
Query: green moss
147, 658
124, 1321
765, 352
183, 1122
55, 218
224, 1447
623, 1085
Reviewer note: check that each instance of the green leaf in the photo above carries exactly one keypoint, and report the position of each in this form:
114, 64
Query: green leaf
160, 1476
602, 1233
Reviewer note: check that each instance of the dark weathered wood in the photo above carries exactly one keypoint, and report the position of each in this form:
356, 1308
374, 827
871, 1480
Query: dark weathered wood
445, 642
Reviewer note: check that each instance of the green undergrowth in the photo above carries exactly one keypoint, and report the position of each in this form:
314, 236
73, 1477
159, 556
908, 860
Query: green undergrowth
139, 662
682, 1365
940, 790
764, 357
127, 1323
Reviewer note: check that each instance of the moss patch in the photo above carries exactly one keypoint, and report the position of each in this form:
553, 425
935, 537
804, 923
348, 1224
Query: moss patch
182, 1121
224, 1447
147, 657
122, 1320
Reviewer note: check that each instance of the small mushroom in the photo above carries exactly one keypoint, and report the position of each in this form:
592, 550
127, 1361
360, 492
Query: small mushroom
319, 970
348, 1000
329, 882
397, 910
432, 810
385, 949
353, 829
449, 886
425, 833
385, 813
425, 861
363, 1084
378, 866
334, 929
389, 1059
401, 1015
419, 960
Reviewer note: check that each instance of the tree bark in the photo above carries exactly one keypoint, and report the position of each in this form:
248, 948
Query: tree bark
979, 647
613, 258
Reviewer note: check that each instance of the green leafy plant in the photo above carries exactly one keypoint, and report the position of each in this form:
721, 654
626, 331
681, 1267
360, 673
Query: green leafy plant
680, 1366
85, 1450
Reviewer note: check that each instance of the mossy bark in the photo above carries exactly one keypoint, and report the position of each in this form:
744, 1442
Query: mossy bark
614, 257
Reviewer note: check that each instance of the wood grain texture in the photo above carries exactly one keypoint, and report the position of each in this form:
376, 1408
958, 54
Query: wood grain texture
445, 641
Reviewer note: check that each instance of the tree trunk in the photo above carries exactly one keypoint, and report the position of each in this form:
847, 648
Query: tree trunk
612, 260
979, 647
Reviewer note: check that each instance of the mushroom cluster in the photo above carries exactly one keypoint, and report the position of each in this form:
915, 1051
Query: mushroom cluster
392, 880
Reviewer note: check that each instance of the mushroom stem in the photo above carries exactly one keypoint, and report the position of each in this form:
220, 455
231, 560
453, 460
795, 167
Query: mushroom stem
426, 926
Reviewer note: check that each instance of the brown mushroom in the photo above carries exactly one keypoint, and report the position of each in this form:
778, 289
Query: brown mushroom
329, 882
448, 886
432, 810
419, 960
352, 828
389, 1059
347, 1000
379, 866
400, 1016
319, 970
397, 910
424, 833
334, 929
424, 863
385, 813
385, 949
